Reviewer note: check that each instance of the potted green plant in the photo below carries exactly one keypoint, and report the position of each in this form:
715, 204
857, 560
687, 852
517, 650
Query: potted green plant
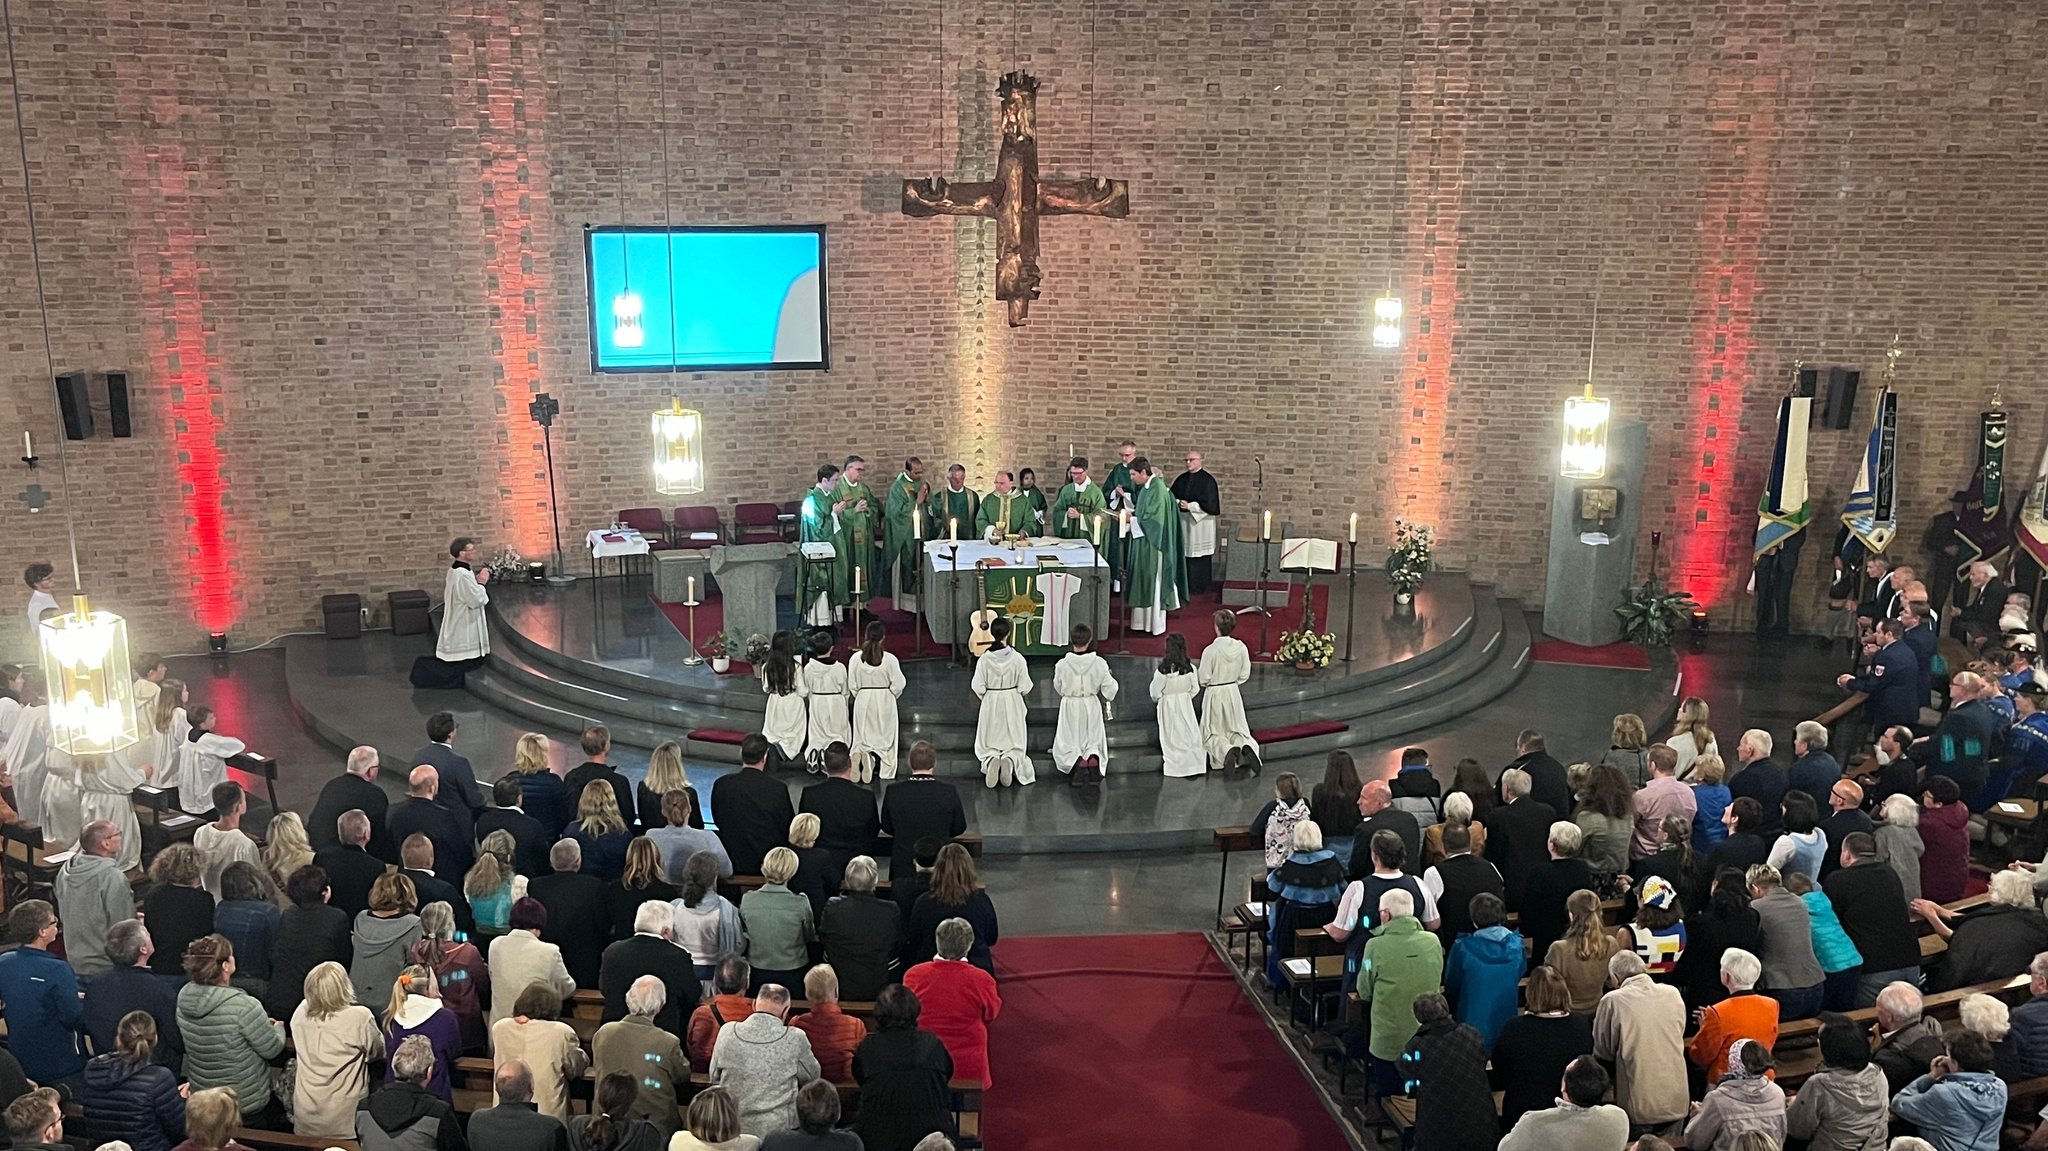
718, 649
1305, 647
1651, 614
1412, 555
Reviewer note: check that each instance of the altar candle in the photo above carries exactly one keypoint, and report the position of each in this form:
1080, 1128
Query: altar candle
1266, 525
856, 583
917, 524
1097, 531
28, 447
691, 595
1354, 527
953, 529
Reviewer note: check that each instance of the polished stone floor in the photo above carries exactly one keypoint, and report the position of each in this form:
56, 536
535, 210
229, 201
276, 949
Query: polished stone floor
1748, 683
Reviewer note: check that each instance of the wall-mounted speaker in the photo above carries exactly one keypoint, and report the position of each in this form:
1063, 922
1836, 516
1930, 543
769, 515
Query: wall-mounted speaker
118, 418
75, 405
1809, 380
1840, 408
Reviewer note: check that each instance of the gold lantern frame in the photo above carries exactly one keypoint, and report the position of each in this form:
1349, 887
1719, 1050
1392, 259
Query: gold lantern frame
91, 683
678, 450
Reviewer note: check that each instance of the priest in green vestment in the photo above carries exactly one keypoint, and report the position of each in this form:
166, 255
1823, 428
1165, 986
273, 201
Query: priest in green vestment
902, 527
1158, 573
1121, 490
1004, 512
1075, 510
859, 509
1027, 486
818, 523
953, 504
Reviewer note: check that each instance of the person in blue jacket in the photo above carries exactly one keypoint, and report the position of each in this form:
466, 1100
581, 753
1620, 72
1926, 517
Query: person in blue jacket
1959, 1105
1892, 683
1484, 970
45, 1017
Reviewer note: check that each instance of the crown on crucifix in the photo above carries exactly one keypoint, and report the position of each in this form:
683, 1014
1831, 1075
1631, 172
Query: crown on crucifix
1019, 80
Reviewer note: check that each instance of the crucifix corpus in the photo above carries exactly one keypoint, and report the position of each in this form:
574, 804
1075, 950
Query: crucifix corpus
1016, 198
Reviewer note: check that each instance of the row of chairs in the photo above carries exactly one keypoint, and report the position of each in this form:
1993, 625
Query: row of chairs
701, 527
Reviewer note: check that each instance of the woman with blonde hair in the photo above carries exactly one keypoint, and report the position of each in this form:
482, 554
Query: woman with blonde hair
212, 1116
713, 1122
956, 892
335, 1039
542, 794
1710, 798
416, 1008
665, 773
814, 879
643, 878
707, 923
492, 885
1581, 956
780, 924
1690, 736
1898, 840
600, 829
462, 982
229, 1040
287, 849
1628, 749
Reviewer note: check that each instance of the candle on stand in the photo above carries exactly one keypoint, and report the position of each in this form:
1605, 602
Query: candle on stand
856, 583
1095, 531
917, 524
953, 529
691, 595
1354, 528
1266, 525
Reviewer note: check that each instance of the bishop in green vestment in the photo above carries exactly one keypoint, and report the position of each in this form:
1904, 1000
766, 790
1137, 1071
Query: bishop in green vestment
955, 501
1121, 490
1075, 510
818, 522
1005, 509
901, 529
1159, 579
859, 509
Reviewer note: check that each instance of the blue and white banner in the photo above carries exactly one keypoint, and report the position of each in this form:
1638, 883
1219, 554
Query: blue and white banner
1871, 513
1784, 510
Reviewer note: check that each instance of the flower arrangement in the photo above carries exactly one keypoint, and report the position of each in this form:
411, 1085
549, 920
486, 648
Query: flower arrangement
1411, 557
1306, 647
508, 566
757, 649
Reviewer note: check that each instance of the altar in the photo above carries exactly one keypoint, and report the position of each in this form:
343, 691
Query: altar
1043, 588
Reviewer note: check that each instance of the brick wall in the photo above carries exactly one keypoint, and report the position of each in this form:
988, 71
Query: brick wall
338, 246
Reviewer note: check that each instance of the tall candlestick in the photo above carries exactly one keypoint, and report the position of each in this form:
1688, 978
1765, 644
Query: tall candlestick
856, 583
691, 595
953, 529
1353, 538
1266, 525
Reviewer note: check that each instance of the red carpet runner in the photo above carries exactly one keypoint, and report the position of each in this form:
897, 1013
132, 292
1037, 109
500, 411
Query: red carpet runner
1622, 655
1140, 1043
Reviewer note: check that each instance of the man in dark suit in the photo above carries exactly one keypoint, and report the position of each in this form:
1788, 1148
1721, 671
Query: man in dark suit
1892, 683
576, 912
1979, 599
1547, 782
1759, 777
354, 789
1518, 835
924, 855
1845, 818
423, 813
1376, 804
1924, 641
1969, 736
651, 950
847, 823
1871, 904
529, 839
1814, 771
516, 1123
917, 806
597, 750
458, 778
751, 809
418, 852
350, 869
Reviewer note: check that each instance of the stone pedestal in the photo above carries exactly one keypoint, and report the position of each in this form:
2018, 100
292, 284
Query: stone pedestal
1586, 580
1238, 564
672, 572
747, 576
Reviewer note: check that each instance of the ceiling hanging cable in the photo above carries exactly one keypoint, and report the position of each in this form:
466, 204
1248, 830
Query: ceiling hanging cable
668, 239
627, 330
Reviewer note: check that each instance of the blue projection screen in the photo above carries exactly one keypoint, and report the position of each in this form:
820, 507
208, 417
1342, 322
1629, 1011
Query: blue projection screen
705, 299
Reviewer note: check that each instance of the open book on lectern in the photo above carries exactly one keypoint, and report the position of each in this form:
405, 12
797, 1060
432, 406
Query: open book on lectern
1308, 555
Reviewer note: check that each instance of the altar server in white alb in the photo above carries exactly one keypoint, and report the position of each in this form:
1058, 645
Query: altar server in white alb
464, 634
1001, 681
787, 721
26, 756
166, 734
1226, 663
876, 679
203, 762
1173, 690
825, 685
1080, 747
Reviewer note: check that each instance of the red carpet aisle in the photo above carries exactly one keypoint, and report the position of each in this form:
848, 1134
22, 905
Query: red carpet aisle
1141, 1043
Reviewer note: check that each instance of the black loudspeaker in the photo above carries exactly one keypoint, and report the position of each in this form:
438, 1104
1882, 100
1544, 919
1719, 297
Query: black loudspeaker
117, 406
1809, 379
76, 406
1840, 408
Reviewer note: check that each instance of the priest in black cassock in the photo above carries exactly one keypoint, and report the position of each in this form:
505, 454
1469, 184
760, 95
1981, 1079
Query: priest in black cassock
1195, 491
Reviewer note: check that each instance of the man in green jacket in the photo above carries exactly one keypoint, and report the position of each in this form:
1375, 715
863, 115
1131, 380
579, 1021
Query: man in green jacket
1401, 962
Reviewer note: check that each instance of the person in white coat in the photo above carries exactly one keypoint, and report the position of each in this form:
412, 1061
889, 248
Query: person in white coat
876, 679
1226, 733
202, 762
825, 687
168, 731
1001, 681
788, 720
1173, 691
26, 759
464, 634
13, 679
1080, 746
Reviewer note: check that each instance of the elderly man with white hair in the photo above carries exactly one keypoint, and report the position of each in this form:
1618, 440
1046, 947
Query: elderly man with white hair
1400, 962
1907, 1041
1639, 1027
94, 895
654, 1057
1743, 1015
354, 789
1990, 941
1814, 769
651, 950
1518, 834
1759, 777
1544, 915
403, 1115
1961, 747
764, 1062
1979, 600
2030, 1020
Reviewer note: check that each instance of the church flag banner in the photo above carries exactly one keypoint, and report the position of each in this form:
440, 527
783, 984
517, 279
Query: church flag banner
2031, 533
1871, 513
1784, 510
1994, 462
1983, 526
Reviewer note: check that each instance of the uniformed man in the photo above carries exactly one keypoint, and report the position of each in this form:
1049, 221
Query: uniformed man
1892, 683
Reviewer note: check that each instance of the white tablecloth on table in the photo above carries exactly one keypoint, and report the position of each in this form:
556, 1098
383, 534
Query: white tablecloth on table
604, 544
1071, 553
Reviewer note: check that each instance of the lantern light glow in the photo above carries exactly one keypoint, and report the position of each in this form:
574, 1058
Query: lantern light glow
1386, 315
626, 329
1584, 455
678, 450
92, 692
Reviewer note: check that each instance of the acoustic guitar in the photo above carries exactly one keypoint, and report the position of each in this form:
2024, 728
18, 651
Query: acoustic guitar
979, 638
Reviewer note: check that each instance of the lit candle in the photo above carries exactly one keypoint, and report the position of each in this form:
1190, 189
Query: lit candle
856, 583
953, 529
917, 524
1097, 530
691, 597
1266, 525
1354, 527
28, 447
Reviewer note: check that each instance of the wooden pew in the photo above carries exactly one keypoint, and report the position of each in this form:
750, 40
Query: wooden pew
1227, 840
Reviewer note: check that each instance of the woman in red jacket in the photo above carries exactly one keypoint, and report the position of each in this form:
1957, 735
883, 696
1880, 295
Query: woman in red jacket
1945, 830
959, 1000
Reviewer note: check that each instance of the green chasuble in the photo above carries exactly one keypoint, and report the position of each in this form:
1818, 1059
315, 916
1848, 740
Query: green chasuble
1014, 518
1158, 552
817, 527
1089, 501
948, 504
899, 531
857, 538
1119, 480
1036, 498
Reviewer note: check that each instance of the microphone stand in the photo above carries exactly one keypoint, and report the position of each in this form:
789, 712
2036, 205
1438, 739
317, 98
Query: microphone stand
953, 601
543, 410
1265, 616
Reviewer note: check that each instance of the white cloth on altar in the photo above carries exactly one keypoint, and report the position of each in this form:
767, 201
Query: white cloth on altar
1072, 553
604, 543
1198, 532
788, 718
1180, 737
464, 632
106, 794
875, 730
202, 763
27, 756
1084, 682
1057, 589
1001, 680
1226, 663
831, 711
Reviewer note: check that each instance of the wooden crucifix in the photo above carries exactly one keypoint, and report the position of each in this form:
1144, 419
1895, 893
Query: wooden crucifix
1016, 198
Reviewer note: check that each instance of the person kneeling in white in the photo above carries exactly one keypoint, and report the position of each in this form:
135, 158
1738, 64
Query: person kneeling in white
1085, 686
1001, 680
1226, 663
